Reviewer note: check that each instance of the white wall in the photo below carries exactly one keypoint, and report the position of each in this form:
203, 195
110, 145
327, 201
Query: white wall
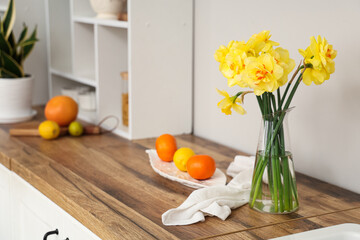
32, 12
326, 122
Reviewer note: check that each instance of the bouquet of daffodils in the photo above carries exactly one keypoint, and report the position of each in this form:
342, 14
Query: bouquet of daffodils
263, 67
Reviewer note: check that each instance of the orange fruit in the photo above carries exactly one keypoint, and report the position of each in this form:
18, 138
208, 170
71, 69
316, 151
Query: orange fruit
61, 109
166, 147
201, 167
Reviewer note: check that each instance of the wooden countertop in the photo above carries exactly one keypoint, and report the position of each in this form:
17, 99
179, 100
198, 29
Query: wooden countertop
107, 183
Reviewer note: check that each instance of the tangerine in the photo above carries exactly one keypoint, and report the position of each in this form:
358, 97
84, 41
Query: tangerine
61, 109
201, 167
166, 147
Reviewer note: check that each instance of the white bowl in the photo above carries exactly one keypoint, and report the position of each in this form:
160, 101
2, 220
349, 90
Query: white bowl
107, 9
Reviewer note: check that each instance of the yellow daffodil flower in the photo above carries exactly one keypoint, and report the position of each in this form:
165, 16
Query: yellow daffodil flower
263, 74
231, 60
282, 58
261, 42
221, 53
229, 103
318, 58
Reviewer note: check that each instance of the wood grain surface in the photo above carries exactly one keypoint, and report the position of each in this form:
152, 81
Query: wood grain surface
107, 183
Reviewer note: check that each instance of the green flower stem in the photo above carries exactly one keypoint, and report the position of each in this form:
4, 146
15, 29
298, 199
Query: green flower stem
287, 190
288, 86
284, 96
259, 169
258, 181
281, 118
275, 178
289, 187
278, 99
294, 191
273, 102
276, 166
281, 196
261, 105
265, 104
269, 103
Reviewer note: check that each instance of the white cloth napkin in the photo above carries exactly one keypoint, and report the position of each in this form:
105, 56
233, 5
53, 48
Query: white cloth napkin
217, 200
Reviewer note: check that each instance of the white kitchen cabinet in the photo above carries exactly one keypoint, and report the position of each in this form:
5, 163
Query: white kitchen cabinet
154, 46
34, 215
5, 200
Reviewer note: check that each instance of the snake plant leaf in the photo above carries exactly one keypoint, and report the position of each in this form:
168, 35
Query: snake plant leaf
23, 34
31, 40
12, 42
6, 74
18, 56
9, 20
28, 44
5, 45
11, 65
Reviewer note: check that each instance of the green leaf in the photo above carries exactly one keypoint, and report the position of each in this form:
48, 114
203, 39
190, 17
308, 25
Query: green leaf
11, 65
29, 44
19, 57
9, 19
11, 40
6, 74
23, 34
5, 45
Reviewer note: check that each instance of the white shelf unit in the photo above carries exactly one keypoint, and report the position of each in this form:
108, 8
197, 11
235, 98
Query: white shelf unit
154, 46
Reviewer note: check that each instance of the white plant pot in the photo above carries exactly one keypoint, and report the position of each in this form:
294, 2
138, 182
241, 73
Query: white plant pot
16, 99
107, 9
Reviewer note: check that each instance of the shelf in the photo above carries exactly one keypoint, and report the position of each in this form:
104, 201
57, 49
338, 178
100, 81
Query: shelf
85, 51
59, 35
87, 80
102, 22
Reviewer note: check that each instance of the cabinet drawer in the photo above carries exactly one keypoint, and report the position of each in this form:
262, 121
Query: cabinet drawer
35, 214
5, 213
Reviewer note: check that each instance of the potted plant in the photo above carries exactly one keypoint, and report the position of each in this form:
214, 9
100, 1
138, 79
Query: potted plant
15, 86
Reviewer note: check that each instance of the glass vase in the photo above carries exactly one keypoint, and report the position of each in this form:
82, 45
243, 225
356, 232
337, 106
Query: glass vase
273, 188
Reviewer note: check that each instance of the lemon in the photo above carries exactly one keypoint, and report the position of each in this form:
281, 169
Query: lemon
49, 129
181, 157
76, 129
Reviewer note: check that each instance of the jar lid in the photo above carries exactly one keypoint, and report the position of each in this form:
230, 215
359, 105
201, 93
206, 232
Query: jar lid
124, 75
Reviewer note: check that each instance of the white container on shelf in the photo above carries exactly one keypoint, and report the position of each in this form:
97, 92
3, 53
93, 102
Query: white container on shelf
74, 92
70, 92
107, 9
87, 101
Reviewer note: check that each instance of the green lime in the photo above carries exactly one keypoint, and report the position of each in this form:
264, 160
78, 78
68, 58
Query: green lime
76, 129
